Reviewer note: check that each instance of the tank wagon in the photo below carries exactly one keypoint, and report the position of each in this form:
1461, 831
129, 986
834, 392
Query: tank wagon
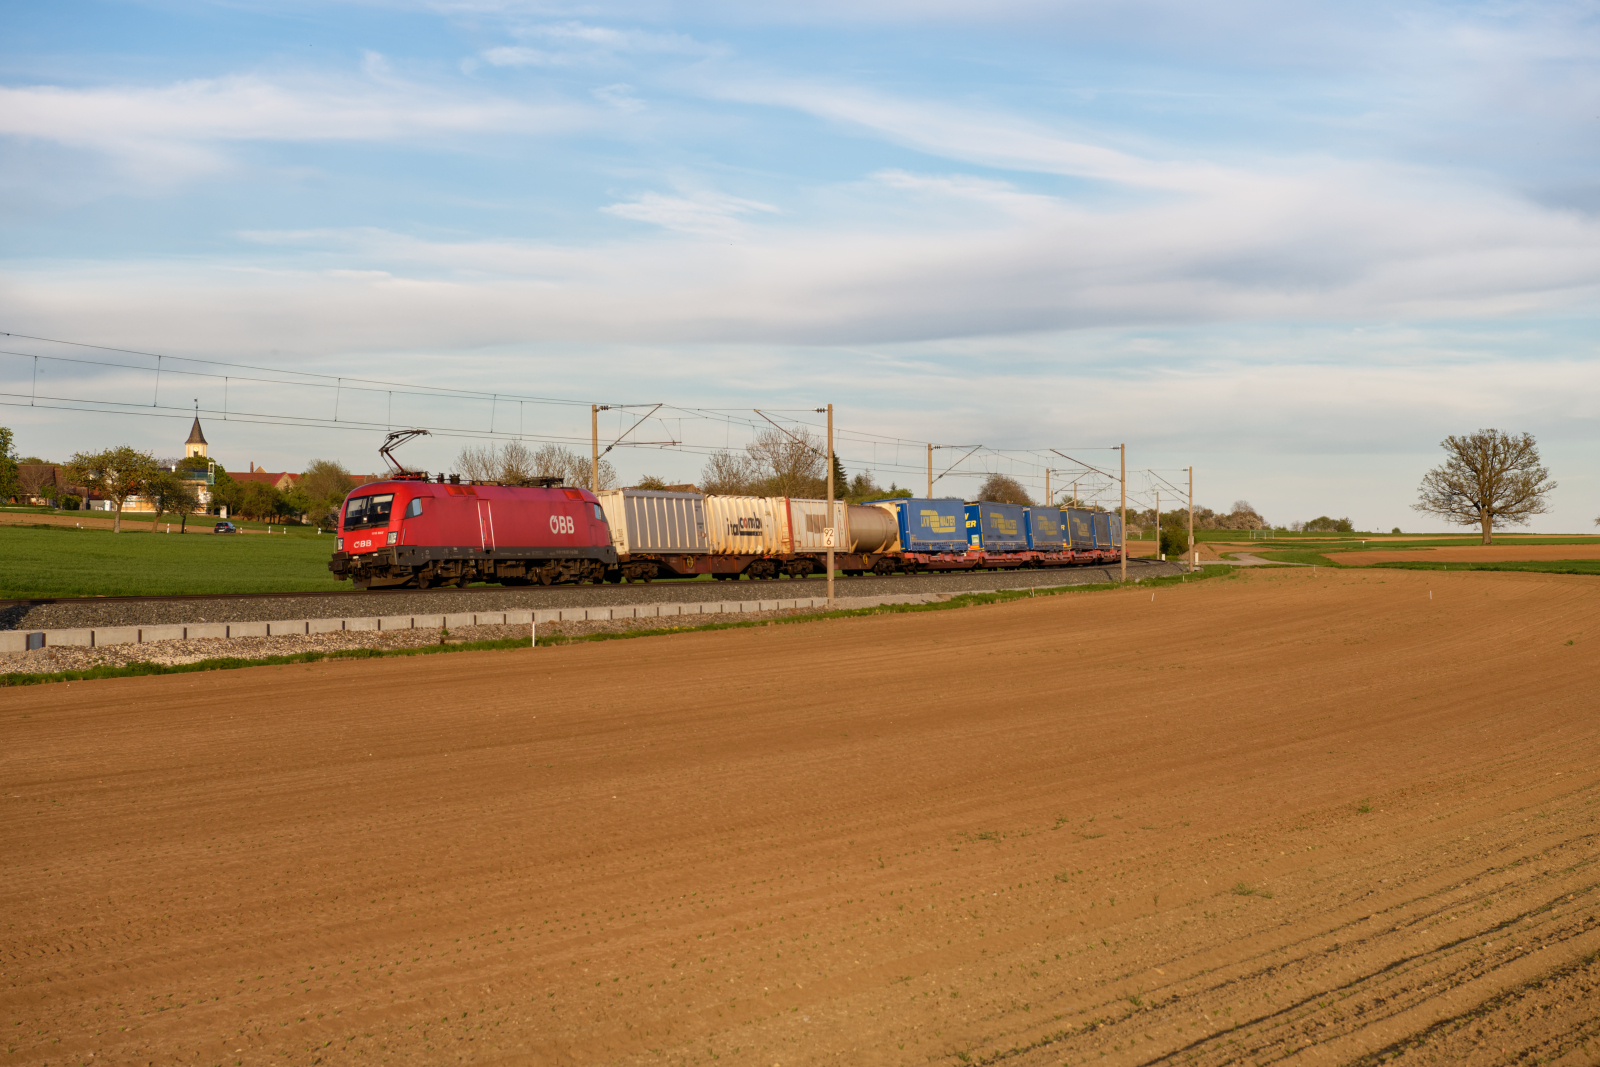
410, 530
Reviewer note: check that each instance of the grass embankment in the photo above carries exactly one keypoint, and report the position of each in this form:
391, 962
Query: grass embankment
41, 561
135, 670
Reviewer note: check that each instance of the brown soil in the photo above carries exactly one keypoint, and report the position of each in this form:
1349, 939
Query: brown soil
1470, 554
1272, 815
132, 521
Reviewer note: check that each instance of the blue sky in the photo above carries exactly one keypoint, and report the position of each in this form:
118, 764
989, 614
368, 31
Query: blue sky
1294, 244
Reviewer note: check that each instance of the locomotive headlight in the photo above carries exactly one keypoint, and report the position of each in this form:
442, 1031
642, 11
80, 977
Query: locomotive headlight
394, 535
338, 544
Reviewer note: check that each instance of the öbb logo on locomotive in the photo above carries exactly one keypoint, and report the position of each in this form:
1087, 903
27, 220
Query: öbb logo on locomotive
420, 531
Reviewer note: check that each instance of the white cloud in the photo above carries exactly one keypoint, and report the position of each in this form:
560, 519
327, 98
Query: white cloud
177, 129
705, 214
969, 258
989, 138
619, 96
567, 44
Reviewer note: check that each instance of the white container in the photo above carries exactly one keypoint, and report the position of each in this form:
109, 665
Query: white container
650, 521
808, 519
746, 525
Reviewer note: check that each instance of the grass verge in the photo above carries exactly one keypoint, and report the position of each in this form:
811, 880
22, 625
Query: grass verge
228, 663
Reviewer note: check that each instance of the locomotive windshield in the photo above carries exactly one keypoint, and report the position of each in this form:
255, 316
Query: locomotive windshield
364, 511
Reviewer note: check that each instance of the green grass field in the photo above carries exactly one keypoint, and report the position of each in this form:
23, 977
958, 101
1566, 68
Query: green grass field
40, 561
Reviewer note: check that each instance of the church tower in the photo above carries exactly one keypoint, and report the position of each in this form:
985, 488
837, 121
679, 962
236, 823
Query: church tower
196, 444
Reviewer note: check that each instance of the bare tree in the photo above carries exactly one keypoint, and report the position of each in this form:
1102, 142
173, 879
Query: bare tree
729, 473
1003, 489
791, 464
479, 463
32, 478
117, 473
1488, 479
515, 464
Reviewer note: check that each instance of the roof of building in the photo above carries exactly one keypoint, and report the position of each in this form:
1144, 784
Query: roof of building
195, 436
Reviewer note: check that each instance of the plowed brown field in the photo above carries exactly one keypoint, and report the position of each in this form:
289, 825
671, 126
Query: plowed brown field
1470, 554
1280, 816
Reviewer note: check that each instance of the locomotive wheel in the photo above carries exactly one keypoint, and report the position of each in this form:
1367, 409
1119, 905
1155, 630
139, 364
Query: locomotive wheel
424, 580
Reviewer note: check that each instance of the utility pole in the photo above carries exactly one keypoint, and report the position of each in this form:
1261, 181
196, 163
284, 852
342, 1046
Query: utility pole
1158, 523
594, 450
930, 472
1047, 500
833, 537
1193, 555
1122, 450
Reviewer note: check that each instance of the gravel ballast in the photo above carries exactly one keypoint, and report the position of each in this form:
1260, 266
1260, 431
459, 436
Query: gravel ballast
112, 612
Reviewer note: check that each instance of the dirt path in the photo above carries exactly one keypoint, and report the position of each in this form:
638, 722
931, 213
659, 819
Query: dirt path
1498, 553
1319, 818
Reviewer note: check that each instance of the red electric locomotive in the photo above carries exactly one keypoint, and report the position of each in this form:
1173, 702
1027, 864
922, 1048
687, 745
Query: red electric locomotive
409, 530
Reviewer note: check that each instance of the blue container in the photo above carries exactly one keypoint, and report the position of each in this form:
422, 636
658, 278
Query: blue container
1047, 529
933, 526
997, 528
1116, 533
1080, 529
1102, 531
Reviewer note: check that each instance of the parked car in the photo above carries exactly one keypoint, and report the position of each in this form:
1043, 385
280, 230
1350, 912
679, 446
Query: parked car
224, 527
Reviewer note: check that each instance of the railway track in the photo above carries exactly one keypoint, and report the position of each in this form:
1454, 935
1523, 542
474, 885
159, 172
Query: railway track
43, 613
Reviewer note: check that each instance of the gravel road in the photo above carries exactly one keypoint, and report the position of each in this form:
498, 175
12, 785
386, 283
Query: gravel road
500, 598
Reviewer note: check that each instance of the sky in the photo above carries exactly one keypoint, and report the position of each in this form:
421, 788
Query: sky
1290, 244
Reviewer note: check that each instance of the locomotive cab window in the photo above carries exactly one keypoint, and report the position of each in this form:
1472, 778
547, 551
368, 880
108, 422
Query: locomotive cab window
598, 513
414, 508
364, 511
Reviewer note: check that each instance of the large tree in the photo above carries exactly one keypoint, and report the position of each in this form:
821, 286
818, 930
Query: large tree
8, 465
116, 474
170, 494
326, 483
1488, 479
1003, 489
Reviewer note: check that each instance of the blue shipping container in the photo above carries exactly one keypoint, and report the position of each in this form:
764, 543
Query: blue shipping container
1116, 533
1080, 529
929, 525
997, 527
1047, 531
1102, 531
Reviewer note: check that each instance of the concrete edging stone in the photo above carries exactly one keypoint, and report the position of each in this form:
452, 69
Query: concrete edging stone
17, 641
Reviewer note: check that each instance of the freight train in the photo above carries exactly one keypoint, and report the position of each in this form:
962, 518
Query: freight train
414, 531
